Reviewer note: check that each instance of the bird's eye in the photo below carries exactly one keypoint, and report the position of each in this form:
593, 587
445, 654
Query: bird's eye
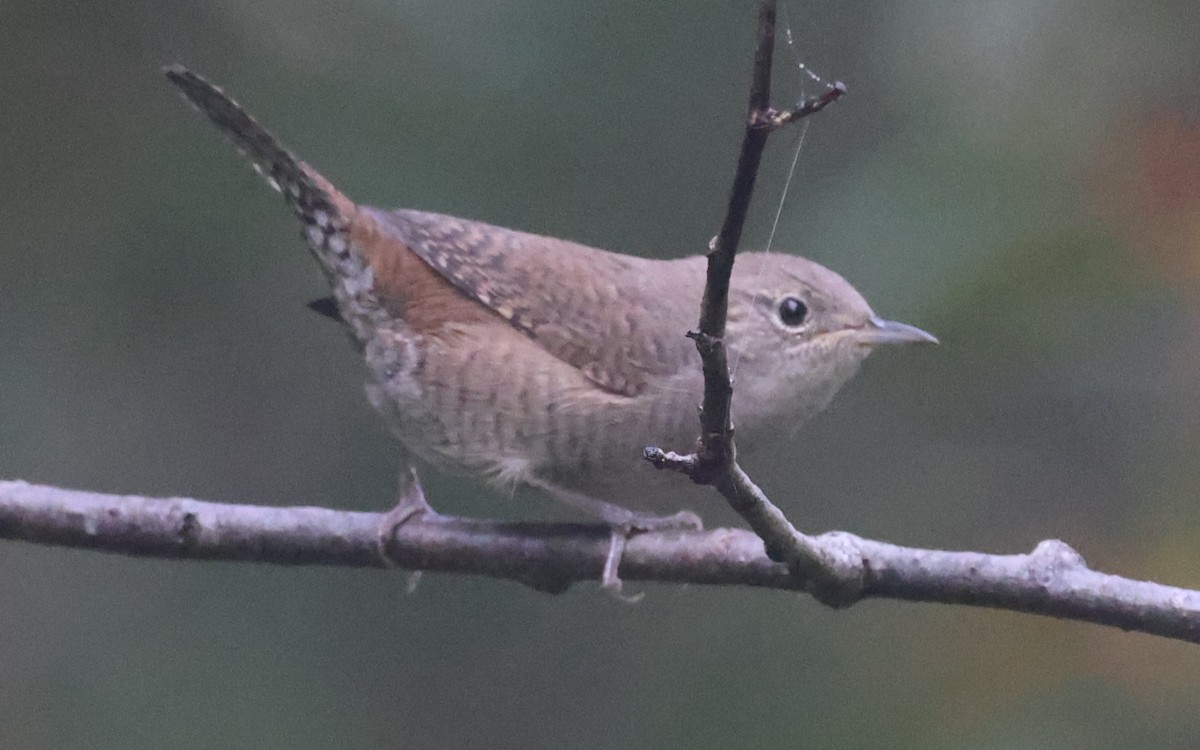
792, 311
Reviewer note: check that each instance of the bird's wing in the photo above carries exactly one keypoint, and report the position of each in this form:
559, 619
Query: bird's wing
597, 311
611, 316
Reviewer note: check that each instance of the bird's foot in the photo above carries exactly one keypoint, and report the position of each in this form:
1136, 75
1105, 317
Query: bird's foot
411, 505
637, 523
610, 581
624, 523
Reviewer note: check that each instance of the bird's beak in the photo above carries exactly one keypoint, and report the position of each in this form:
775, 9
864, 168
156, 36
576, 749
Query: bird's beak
880, 331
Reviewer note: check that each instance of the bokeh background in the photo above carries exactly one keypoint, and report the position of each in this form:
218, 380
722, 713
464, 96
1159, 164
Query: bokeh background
1020, 177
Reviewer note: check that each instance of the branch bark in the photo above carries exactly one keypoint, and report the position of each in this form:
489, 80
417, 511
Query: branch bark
1052, 580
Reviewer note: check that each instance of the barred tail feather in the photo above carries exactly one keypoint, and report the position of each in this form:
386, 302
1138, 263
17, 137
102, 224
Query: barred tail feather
327, 215
279, 166
324, 211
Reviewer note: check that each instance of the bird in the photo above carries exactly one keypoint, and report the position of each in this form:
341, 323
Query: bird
535, 362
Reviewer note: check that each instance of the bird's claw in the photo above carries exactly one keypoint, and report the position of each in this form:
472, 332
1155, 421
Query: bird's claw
410, 505
610, 581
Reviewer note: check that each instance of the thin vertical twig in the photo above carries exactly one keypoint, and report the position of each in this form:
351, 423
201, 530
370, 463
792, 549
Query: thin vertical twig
834, 572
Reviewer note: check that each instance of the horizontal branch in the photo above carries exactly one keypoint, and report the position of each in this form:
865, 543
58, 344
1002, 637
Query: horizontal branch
1053, 580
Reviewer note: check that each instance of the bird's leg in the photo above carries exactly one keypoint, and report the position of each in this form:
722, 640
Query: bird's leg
623, 523
609, 580
410, 504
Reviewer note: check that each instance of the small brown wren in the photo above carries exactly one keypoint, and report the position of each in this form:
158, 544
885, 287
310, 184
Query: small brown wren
529, 360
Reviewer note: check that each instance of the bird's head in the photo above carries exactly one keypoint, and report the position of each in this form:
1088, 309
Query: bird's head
797, 332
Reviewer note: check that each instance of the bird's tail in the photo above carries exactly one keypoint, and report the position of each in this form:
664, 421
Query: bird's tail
329, 218
324, 211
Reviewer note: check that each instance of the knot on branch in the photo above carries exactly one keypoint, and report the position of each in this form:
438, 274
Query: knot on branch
833, 567
715, 458
1053, 556
705, 344
189, 530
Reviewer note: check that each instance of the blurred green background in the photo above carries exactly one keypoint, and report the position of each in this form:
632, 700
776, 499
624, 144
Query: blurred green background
1020, 177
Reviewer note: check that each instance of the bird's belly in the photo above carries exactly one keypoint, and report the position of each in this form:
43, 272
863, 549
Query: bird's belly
512, 414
